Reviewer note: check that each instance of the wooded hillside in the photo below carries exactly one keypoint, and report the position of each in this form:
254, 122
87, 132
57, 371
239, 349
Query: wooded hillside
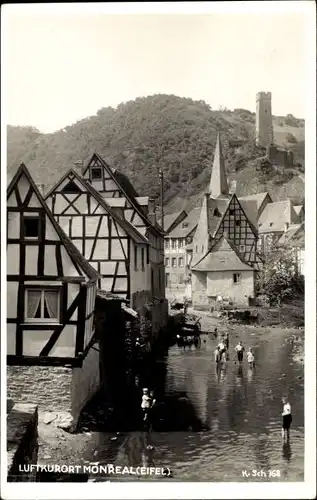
167, 131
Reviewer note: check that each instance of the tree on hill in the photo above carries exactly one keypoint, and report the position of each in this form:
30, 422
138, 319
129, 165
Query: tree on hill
139, 137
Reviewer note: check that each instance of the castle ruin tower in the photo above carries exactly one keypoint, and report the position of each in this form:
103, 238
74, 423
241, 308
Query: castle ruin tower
264, 124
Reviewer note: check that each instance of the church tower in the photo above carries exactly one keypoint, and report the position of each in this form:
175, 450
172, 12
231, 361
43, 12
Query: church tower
218, 186
264, 124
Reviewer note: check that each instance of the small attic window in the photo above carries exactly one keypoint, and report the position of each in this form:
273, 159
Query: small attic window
216, 212
185, 224
271, 224
96, 173
31, 225
231, 211
71, 187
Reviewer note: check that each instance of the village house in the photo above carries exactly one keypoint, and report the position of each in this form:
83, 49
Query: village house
104, 238
275, 220
294, 239
222, 274
117, 232
51, 288
178, 254
51, 292
226, 219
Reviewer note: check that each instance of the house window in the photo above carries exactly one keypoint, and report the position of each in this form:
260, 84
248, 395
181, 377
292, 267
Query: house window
216, 212
142, 258
71, 187
135, 257
31, 226
180, 242
167, 262
196, 248
242, 248
147, 254
231, 211
167, 244
181, 279
96, 173
181, 262
42, 305
173, 262
174, 243
202, 249
236, 278
238, 222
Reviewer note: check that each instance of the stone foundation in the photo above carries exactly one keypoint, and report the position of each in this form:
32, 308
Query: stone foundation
54, 388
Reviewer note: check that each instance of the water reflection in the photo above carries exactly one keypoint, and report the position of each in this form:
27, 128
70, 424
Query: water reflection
287, 452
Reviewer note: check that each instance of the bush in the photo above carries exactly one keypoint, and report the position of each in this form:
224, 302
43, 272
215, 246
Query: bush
280, 280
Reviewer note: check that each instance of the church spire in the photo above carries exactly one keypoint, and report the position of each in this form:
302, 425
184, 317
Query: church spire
218, 182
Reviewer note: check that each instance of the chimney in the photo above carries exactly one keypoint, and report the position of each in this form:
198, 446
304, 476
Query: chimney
286, 226
40, 188
152, 211
79, 167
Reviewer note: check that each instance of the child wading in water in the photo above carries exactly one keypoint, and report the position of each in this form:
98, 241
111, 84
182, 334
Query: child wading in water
239, 350
287, 418
251, 358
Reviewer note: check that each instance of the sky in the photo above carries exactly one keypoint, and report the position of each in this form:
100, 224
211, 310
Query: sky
63, 65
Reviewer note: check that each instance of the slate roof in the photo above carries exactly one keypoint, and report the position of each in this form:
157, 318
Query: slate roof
169, 219
275, 215
125, 183
295, 236
74, 253
223, 256
127, 226
191, 220
251, 210
257, 197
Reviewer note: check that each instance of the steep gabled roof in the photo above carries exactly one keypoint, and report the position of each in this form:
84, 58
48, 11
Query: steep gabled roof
223, 256
250, 209
258, 199
187, 225
215, 227
294, 236
131, 199
124, 224
218, 182
73, 252
275, 215
125, 183
170, 219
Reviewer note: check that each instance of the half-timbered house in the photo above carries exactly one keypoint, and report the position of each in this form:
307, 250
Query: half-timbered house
51, 288
113, 232
118, 192
111, 244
